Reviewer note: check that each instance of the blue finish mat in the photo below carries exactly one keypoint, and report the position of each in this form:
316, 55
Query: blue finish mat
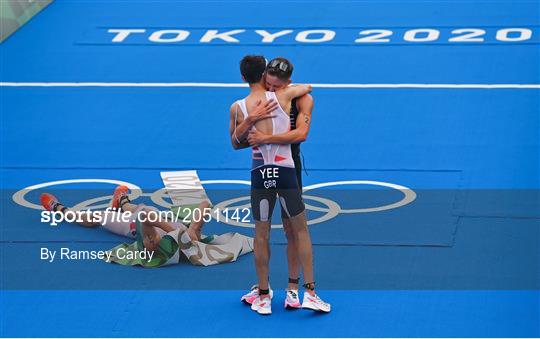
424, 111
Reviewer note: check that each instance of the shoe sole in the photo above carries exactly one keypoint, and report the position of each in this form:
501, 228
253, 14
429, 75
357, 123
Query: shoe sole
292, 307
245, 301
258, 310
315, 309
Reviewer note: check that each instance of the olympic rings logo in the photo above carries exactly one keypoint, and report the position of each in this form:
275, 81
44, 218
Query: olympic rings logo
331, 209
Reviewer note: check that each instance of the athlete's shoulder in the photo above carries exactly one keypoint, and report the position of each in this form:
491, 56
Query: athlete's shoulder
237, 103
234, 106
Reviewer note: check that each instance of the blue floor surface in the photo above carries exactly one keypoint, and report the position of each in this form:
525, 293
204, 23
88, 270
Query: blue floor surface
461, 260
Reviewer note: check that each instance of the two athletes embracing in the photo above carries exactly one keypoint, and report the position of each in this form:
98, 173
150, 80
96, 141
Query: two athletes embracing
273, 119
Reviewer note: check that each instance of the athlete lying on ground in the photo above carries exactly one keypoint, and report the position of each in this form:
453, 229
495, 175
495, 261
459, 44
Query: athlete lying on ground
164, 237
152, 231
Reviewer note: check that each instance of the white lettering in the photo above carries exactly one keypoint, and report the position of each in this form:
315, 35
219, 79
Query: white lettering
45, 216
122, 34
178, 35
412, 35
225, 36
64, 253
56, 218
270, 37
327, 35
504, 34
46, 254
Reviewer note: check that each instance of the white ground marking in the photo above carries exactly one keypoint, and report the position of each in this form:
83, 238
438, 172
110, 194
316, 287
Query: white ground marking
236, 85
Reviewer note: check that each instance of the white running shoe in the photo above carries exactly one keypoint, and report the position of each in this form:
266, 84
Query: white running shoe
253, 294
292, 300
262, 306
315, 303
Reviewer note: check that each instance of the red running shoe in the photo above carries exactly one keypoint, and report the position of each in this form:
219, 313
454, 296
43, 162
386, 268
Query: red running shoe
48, 201
119, 192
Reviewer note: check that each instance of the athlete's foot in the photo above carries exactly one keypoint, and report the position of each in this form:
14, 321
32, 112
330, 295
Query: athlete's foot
262, 305
253, 294
120, 194
292, 301
50, 202
313, 302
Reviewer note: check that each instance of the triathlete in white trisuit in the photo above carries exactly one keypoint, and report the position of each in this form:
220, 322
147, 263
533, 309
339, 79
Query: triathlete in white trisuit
273, 175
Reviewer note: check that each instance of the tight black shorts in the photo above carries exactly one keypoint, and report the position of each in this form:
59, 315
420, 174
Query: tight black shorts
270, 182
298, 168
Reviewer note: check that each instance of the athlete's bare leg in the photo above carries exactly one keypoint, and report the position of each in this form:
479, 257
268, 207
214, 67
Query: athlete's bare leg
195, 227
305, 249
261, 252
292, 253
85, 219
129, 207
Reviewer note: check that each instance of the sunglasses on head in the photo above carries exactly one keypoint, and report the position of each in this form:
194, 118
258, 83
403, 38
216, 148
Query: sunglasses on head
278, 65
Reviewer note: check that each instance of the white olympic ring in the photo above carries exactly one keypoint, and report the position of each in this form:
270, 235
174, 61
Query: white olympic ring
331, 210
409, 195
19, 196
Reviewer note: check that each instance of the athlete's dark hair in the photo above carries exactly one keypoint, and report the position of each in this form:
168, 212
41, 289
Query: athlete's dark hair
280, 67
252, 68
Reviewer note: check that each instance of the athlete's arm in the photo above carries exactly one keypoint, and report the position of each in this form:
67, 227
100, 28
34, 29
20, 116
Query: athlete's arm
296, 91
239, 127
236, 120
303, 124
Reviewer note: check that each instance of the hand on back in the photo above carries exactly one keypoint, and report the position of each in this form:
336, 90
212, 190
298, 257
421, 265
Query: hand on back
262, 111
